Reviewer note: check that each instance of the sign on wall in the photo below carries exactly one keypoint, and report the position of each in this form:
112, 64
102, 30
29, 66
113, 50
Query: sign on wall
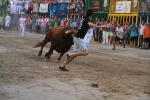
123, 7
43, 8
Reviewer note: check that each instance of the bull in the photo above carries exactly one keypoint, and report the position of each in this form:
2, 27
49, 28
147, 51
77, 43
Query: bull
61, 41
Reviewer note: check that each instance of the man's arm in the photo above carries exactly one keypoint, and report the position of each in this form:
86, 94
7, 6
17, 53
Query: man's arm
93, 25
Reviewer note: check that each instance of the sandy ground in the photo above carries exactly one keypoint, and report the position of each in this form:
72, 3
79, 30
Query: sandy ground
123, 74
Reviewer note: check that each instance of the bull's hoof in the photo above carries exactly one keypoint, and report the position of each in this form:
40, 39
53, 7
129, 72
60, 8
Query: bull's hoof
58, 61
40, 53
46, 59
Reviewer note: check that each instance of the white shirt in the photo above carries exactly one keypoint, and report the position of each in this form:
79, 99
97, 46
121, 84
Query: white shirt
119, 32
22, 21
141, 29
7, 18
38, 21
62, 23
90, 32
15, 2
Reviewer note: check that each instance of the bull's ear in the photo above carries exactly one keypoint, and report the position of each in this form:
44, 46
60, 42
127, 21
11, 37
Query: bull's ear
68, 31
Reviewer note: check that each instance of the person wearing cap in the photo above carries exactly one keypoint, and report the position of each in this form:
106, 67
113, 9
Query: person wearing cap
146, 36
80, 48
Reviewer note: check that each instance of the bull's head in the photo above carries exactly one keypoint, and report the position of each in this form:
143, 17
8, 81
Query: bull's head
72, 32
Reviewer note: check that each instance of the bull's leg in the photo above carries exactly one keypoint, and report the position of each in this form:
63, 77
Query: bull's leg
49, 53
44, 42
59, 58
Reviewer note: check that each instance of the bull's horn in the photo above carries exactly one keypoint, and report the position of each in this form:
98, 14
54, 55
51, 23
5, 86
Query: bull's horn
68, 31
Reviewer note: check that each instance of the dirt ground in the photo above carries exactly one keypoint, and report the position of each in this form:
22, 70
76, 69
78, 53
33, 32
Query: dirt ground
123, 74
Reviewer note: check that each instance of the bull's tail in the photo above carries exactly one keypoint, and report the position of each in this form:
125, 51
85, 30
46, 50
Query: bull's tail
38, 45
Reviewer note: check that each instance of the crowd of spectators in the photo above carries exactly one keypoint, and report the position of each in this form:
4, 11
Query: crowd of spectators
127, 34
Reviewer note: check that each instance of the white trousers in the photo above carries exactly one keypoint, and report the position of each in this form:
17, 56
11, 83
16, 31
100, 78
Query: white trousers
87, 40
14, 9
19, 8
7, 23
22, 28
105, 38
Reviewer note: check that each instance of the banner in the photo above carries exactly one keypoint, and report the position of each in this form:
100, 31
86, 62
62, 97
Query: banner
43, 8
123, 7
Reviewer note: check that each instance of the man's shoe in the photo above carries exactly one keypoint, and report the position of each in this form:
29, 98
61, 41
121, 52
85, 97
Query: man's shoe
113, 48
63, 69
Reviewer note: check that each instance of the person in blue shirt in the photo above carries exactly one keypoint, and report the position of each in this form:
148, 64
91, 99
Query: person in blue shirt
15, 22
133, 35
33, 24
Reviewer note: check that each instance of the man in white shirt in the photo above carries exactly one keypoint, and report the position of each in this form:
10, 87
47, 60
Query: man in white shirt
22, 25
141, 28
118, 36
7, 22
88, 36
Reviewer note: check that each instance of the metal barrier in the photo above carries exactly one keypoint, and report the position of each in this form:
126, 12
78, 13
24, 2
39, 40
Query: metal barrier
124, 18
145, 17
99, 15
144, 13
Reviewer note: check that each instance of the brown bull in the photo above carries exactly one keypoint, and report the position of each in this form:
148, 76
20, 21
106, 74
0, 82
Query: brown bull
61, 41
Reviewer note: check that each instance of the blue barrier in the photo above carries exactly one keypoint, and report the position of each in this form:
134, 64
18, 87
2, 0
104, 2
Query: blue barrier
59, 10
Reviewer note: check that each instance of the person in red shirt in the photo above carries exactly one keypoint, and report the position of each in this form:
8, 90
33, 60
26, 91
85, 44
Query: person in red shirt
28, 22
65, 22
146, 35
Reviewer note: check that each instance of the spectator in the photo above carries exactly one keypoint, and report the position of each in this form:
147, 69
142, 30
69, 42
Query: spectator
133, 36
128, 31
1, 22
38, 27
65, 21
22, 25
62, 23
7, 22
28, 21
14, 22
74, 24
56, 23
105, 35
43, 25
141, 28
146, 36
33, 24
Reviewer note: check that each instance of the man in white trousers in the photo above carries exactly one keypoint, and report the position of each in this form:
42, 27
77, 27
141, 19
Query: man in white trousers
88, 36
105, 35
7, 22
22, 25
